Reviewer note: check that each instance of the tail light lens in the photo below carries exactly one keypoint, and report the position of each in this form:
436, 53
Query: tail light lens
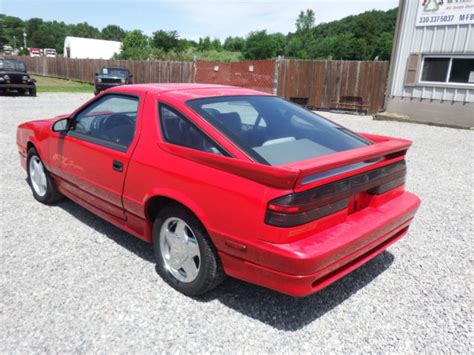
306, 206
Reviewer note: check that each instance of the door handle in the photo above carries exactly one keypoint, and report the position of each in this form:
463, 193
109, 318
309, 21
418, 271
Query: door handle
117, 166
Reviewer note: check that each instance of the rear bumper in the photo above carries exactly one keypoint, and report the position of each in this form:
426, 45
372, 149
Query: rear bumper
306, 266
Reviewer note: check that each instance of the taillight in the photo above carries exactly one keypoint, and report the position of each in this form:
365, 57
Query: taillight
306, 206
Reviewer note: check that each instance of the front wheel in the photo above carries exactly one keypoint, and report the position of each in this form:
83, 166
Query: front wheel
42, 185
186, 258
33, 92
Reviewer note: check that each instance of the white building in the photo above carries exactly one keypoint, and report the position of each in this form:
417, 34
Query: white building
77, 47
431, 76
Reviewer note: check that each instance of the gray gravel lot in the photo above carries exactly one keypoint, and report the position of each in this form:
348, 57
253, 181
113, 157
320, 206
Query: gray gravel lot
72, 282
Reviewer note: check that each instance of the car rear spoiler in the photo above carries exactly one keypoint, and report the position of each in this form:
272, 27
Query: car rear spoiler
383, 151
289, 176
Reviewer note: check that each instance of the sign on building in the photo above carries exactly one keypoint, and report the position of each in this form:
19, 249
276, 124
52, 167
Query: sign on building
445, 12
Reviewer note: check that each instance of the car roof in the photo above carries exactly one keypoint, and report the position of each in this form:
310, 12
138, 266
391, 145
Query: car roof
187, 91
112, 67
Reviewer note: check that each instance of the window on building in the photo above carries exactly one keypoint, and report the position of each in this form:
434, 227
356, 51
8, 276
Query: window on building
444, 69
462, 70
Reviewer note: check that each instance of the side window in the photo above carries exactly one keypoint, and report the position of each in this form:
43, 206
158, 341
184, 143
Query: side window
178, 130
111, 119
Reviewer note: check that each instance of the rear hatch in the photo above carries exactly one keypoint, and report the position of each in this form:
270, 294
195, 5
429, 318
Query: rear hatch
343, 180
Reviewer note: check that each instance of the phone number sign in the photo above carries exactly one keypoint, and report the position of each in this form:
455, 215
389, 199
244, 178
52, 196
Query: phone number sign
445, 12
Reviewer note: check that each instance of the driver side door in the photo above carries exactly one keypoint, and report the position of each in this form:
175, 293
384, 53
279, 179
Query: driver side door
95, 152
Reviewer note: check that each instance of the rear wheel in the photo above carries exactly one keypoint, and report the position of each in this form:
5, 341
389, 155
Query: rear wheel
42, 185
186, 258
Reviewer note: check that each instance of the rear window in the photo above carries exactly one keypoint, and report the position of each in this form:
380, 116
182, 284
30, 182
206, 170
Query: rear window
274, 131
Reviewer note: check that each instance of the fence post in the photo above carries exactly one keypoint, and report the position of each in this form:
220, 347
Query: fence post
275, 77
194, 69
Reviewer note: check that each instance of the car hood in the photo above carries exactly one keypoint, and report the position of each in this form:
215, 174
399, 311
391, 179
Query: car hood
112, 76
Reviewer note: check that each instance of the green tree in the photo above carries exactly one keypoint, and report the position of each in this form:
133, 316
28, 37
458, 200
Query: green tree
165, 40
279, 42
84, 30
135, 45
113, 33
234, 44
204, 44
216, 44
383, 46
50, 34
11, 31
305, 21
259, 45
31, 26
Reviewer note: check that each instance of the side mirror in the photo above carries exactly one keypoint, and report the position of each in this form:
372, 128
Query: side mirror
60, 125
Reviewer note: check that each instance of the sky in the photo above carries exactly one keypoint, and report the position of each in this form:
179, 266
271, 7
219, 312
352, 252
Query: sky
191, 18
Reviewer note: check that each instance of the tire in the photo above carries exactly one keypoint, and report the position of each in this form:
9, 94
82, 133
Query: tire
210, 272
33, 92
50, 194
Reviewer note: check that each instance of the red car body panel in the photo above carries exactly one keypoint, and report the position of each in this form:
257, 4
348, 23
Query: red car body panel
229, 195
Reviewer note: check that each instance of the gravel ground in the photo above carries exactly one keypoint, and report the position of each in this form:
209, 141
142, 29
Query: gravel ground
71, 282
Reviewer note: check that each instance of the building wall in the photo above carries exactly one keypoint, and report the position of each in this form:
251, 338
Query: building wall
442, 39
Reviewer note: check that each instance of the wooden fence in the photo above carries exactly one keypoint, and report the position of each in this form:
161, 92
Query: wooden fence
257, 74
324, 84
84, 69
319, 84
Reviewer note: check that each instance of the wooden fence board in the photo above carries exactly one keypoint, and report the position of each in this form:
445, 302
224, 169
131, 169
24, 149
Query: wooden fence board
84, 69
322, 84
347, 85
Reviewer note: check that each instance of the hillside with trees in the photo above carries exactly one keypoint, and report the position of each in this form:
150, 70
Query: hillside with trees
360, 37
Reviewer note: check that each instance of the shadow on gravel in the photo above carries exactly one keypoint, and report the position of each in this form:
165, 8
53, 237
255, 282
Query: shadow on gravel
288, 313
277, 310
131, 243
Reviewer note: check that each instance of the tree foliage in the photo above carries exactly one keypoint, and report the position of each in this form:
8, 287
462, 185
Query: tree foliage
113, 33
361, 37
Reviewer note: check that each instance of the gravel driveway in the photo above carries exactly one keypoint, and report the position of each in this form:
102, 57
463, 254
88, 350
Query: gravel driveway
72, 282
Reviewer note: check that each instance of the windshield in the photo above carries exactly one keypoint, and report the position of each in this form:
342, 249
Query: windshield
114, 72
274, 131
12, 65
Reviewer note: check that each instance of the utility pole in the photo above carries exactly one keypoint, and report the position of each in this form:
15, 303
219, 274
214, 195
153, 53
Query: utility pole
14, 42
24, 39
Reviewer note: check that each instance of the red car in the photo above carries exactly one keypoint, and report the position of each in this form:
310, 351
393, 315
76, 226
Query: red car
226, 181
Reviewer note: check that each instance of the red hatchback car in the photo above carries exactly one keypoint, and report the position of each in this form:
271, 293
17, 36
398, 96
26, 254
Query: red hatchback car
226, 181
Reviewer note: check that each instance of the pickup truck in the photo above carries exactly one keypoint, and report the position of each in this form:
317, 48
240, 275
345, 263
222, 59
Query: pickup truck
226, 181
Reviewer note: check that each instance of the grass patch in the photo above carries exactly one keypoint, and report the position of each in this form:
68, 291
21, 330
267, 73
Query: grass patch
47, 84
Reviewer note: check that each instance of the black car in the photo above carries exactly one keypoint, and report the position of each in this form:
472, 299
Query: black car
13, 77
111, 76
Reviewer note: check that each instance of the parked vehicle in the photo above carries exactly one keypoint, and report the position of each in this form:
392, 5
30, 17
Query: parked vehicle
226, 181
35, 52
7, 50
14, 77
109, 77
50, 52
